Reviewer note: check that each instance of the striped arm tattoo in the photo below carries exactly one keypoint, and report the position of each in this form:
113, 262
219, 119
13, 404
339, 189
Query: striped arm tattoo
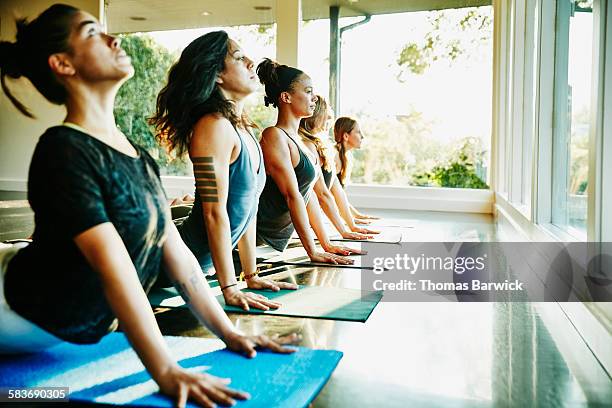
205, 180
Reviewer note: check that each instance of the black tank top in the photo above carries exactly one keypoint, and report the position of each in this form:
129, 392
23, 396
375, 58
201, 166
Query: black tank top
274, 225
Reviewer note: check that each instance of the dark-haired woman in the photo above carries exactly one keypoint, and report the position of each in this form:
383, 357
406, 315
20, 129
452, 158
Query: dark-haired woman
348, 136
286, 203
200, 111
102, 223
330, 193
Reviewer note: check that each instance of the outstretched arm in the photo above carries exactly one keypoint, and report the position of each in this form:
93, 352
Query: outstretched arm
345, 207
316, 222
277, 156
186, 274
105, 252
211, 152
329, 207
246, 250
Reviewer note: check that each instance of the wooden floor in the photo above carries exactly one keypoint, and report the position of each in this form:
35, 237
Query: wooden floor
436, 354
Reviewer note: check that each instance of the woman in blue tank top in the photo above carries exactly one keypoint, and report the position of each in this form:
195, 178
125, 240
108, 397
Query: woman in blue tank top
200, 111
286, 203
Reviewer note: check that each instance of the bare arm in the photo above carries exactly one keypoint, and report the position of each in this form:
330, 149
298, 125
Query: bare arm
105, 252
277, 156
329, 207
186, 274
358, 217
345, 207
212, 145
246, 250
314, 214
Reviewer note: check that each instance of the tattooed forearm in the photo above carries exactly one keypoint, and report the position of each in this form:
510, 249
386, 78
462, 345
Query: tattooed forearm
187, 289
205, 180
183, 291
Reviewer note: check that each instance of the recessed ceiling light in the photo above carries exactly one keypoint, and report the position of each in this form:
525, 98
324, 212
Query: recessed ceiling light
138, 18
262, 8
206, 13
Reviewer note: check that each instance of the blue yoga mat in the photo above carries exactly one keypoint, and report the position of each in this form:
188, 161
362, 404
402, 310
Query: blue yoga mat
111, 373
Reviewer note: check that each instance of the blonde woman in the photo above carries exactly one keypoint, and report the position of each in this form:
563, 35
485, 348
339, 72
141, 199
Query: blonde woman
330, 193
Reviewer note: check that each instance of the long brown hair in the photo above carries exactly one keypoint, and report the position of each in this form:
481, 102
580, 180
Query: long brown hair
311, 127
192, 92
343, 125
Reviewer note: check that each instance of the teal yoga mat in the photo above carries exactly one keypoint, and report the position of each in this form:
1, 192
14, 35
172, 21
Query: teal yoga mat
110, 372
316, 302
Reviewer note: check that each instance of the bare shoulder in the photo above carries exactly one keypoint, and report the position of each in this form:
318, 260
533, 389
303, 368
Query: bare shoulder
213, 133
272, 137
271, 133
310, 145
213, 128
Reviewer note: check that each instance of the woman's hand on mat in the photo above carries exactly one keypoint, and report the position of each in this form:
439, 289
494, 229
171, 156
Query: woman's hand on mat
366, 217
356, 235
262, 283
246, 300
364, 230
343, 250
203, 389
246, 345
361, 222
326, 257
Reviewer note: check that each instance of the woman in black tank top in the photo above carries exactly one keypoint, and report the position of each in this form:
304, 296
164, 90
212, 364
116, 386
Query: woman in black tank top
287, 203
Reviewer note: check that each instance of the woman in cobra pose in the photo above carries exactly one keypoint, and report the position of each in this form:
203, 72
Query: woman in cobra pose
286, 203
200, 111
348, 136
330, 193
103, 228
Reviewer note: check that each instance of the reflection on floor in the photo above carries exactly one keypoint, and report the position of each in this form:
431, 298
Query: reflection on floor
436, 354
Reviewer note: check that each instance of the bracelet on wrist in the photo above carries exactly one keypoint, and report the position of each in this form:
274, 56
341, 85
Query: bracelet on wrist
228, 286
248, 276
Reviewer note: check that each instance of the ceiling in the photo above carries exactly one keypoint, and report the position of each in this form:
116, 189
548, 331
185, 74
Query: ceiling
124, 16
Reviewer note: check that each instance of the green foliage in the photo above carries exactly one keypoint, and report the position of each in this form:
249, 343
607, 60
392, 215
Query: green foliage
452, 34
393, 148
264, 116
136, 99
415, 57
459, 171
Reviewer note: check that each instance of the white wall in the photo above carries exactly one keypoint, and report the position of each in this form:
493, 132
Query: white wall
19, 134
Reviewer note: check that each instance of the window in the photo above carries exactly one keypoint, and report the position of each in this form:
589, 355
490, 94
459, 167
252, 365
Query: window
421, 90
420, 86
572, 115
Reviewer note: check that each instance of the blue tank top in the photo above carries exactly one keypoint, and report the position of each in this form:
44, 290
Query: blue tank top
245, 187
274, 225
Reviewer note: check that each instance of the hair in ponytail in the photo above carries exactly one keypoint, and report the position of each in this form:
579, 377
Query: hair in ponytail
343, 125
311, 127
276, 79
28, 56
